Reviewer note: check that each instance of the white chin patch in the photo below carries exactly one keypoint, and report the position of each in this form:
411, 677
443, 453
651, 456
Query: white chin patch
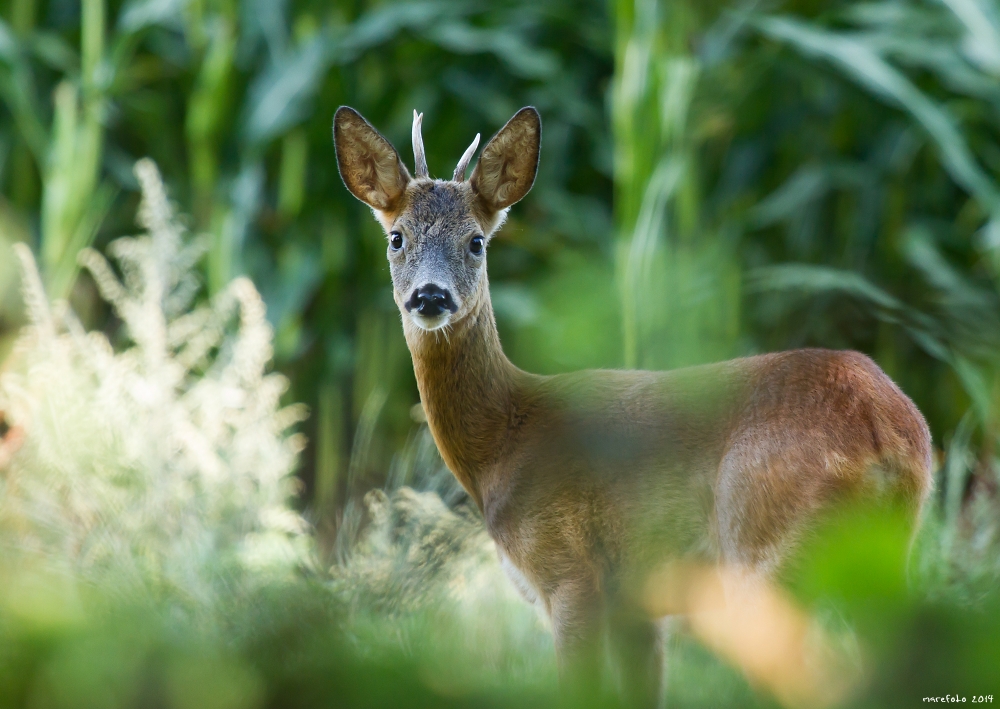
430, 324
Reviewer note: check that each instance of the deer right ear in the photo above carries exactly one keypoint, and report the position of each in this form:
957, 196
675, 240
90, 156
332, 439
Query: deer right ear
506, 170
369, 166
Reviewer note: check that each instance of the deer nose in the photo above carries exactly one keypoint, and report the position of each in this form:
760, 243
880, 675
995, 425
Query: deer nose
430, 301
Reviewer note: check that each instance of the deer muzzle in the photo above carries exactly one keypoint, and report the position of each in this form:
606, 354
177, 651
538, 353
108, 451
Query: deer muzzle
431, 301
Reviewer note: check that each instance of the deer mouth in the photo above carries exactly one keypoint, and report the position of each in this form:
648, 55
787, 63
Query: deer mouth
430, 323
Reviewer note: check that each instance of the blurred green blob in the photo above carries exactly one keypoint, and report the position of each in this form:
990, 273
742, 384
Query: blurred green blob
858, 555
571, 323
38, 599
91, 671
210, 681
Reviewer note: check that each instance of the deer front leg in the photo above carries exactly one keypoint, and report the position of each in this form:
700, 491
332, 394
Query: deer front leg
576, 611
636, 644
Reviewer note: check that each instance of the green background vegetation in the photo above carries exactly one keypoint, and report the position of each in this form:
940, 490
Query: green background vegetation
716, 180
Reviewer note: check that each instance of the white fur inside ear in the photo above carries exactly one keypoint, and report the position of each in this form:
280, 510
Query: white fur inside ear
498, 219
383, 218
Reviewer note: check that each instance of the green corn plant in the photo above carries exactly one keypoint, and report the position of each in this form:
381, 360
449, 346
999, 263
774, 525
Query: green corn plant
208, 103
75, 199
678, 284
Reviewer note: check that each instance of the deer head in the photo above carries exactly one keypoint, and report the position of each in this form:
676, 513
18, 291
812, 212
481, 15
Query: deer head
438, 230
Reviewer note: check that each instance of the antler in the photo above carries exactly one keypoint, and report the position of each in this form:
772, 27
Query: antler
463, 164
419, 158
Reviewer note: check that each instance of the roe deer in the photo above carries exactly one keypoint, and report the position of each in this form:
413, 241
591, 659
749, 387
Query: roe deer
587, 481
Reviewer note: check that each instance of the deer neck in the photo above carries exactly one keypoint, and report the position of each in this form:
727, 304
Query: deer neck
466, 387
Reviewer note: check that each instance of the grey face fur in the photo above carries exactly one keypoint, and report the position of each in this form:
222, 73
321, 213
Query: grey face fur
437, 230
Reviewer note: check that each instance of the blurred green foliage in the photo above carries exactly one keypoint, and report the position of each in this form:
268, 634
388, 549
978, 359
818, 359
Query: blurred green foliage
304, 644
717, 179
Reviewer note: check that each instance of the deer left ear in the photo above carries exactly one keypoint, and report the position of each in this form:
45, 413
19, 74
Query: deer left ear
369, 165
506, 170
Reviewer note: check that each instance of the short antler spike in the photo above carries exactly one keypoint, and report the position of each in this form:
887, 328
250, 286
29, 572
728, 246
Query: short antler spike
419, 158
463, 164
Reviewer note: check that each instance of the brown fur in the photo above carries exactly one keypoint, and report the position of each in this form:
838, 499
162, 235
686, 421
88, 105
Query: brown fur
507, 168
368, 163
588, 481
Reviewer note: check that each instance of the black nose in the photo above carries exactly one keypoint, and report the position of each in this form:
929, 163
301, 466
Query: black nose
430, 301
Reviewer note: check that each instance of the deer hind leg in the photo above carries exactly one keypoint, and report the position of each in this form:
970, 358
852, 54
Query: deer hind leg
754, 525
636, 644
767, 500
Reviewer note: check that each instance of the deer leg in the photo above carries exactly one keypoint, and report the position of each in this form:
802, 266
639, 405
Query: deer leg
755, 532
637, 651
577, 628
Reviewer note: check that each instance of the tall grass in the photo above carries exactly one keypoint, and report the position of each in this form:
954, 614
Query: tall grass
167, 463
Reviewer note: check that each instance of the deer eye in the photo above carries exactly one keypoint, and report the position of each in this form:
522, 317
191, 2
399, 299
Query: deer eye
476, 245
396, 240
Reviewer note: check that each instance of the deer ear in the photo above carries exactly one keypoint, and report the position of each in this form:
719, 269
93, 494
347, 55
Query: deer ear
507, 167
369, 166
